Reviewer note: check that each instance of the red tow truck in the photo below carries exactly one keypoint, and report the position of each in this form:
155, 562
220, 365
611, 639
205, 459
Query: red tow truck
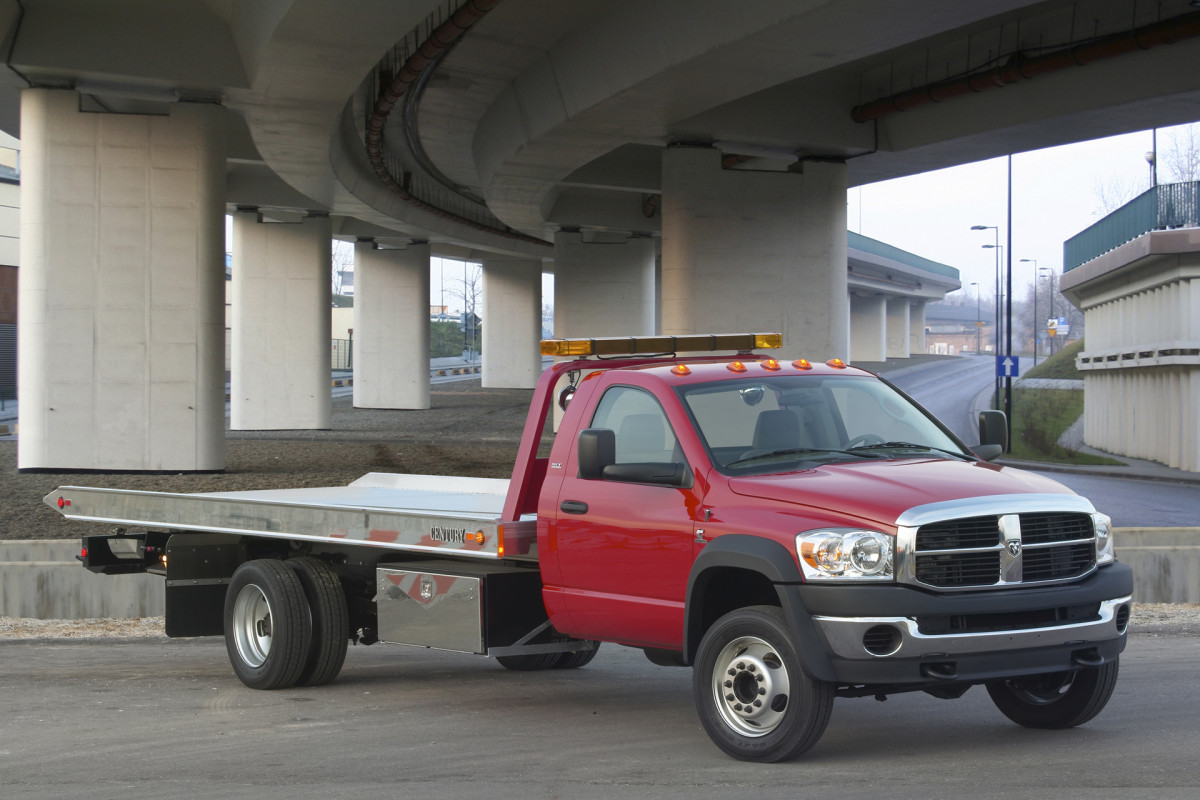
792, 531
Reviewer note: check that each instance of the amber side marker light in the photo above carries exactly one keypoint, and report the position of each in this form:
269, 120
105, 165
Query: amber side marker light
650, 345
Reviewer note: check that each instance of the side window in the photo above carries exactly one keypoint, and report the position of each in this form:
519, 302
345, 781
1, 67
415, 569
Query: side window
642, 432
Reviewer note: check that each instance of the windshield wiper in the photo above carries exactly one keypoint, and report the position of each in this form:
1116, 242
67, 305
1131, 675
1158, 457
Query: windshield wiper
787, 451
912, 446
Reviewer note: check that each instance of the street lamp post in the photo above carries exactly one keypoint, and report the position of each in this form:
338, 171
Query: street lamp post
996, 246
978, 321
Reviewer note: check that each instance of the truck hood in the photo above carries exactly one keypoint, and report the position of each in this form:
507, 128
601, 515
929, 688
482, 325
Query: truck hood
879, 491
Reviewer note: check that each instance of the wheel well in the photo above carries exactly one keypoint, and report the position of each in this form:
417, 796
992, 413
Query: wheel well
721, 590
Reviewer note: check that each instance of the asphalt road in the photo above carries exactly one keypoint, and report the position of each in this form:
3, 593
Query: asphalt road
167, 719
948, 389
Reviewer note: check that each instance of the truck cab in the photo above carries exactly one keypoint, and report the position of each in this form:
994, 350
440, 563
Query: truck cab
694, 505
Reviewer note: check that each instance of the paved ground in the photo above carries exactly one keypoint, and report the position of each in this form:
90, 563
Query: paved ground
167, 719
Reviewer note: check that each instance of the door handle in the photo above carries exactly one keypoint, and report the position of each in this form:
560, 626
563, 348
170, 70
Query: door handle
574, 507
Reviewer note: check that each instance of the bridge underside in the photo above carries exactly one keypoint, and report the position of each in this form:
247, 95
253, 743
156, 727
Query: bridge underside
678, 165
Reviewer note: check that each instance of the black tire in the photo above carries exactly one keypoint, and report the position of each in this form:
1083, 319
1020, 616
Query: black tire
267, 625
576, 660
329, 617
530, 663
753, 698
1056, 700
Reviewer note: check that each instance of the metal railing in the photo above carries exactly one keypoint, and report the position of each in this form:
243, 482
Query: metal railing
1170, 205
341, 354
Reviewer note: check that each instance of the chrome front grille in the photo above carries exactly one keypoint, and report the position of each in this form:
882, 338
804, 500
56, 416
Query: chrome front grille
995, 549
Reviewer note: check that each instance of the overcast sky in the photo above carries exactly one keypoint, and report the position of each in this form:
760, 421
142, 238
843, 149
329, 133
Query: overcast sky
1055, 195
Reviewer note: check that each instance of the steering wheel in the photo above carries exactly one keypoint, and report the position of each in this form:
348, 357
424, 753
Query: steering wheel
864, 439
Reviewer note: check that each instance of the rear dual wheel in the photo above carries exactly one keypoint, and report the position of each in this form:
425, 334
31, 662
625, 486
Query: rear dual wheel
285, 623
540, 661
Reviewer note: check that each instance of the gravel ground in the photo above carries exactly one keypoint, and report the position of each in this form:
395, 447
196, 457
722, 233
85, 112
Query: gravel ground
468, 430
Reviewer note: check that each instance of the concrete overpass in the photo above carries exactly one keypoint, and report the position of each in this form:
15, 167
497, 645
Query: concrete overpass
679, 165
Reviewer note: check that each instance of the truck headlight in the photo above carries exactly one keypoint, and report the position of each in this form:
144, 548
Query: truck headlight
845, 554
1104, 539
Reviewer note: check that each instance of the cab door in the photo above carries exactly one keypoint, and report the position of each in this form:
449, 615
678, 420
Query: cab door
624, 546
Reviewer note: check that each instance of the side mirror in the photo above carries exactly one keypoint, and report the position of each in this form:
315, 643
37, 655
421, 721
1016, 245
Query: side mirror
993, 434
596, 448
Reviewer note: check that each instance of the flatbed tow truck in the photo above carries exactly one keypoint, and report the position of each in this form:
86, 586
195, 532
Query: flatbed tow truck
792, 531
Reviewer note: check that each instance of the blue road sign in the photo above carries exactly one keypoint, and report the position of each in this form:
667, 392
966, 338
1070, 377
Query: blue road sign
1008, 366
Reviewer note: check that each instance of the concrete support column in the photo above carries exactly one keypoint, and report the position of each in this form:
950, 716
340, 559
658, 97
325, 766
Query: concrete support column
280, 298
121, 302
868, 328
755, 251
512, 323
391, 327
898, 322
916, 327
603, 285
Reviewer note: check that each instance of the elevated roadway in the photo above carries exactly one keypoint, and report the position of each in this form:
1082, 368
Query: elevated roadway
680, 167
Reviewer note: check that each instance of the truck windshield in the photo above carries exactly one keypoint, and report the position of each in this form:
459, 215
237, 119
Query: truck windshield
772, 424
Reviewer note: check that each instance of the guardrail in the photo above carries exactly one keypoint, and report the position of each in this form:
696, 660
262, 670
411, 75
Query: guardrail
1169, 205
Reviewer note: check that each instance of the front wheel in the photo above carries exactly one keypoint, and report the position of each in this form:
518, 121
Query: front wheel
1056, 700
753, 698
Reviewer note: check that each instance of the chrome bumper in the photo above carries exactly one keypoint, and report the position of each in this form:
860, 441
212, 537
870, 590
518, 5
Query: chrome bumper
845, 636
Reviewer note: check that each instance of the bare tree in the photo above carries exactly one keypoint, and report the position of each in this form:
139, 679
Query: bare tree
1181, 156
1114, 192
470, 294
343, 262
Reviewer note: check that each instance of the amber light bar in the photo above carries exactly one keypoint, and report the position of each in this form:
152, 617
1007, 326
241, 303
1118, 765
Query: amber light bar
647, 345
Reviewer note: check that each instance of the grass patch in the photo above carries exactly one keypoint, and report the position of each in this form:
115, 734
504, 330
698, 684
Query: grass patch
1061, 365
1040, 416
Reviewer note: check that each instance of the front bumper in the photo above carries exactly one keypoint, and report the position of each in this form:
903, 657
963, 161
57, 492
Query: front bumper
929, 639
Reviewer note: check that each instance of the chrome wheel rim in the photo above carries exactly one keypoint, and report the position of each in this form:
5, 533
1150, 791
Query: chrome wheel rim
252, 626
751, 686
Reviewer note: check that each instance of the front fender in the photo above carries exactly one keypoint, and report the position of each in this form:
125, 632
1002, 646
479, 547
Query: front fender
776, 565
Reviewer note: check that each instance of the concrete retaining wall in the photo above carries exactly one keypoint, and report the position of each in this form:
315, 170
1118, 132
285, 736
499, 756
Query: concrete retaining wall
42, 579
1165, 561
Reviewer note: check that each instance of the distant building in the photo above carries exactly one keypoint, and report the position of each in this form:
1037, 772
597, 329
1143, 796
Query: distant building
954, 330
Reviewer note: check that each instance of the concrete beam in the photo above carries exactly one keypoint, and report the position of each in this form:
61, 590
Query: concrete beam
121, 343
391, 327
512, 327
868, 328
751, 251
603, 285
280, 297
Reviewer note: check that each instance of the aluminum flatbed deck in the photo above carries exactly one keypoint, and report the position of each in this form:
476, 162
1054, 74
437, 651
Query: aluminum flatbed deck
449, 516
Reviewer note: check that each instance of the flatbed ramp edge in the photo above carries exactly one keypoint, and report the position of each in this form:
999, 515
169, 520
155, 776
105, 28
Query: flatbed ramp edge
446, 515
